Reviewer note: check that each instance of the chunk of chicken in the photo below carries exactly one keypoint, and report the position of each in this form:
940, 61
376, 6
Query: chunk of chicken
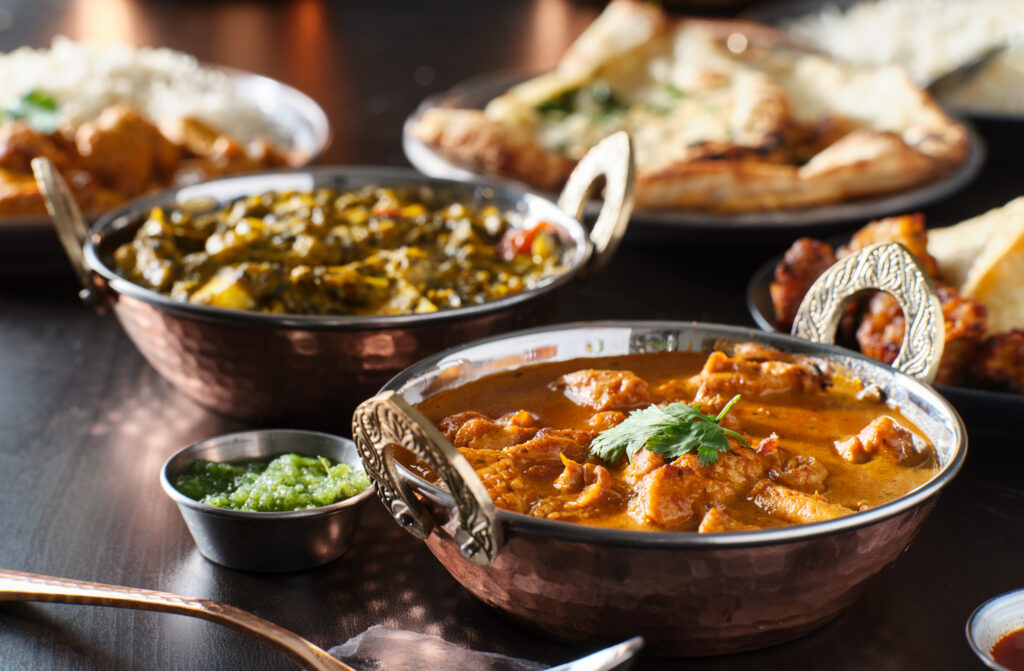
726, 376
675, 496
670, 496
643, 462
483, 434
793, 506
604, 389
801, 472
884, 435
546, 446
716, 519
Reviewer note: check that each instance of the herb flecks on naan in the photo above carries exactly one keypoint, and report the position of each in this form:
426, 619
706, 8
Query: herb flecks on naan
726, 116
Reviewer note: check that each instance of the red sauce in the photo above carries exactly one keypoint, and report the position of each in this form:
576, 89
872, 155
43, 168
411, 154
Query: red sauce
1009, 650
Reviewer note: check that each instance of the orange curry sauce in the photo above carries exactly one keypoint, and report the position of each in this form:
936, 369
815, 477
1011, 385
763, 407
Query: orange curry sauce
537, 462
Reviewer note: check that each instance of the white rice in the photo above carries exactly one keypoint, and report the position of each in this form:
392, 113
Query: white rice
929, 37
161, 83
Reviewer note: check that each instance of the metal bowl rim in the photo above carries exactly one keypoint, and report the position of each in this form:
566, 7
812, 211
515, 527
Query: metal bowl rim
127, 214
319, 511
687, 539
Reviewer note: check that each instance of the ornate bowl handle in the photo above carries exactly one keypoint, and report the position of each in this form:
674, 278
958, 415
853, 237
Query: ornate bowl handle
386, 421
71, 227
887, 267
611, 158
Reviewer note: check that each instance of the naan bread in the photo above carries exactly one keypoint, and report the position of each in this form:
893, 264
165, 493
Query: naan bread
725, 117
983, 258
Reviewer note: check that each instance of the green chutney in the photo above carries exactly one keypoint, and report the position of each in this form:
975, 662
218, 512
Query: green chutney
271, 484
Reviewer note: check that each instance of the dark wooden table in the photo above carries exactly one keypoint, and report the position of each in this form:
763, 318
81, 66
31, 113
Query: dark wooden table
85, 424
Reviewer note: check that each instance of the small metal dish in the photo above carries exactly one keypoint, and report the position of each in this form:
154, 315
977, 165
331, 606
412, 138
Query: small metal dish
992, 620
268, 542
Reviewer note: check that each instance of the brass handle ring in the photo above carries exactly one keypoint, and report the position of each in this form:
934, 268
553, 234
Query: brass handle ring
887, 267
611, 158
72, 230
386, 421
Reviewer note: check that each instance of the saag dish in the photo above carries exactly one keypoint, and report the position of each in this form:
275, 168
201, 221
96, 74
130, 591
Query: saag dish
373, 251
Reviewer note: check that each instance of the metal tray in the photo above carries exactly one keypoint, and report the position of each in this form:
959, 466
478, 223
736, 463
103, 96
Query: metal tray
756, 226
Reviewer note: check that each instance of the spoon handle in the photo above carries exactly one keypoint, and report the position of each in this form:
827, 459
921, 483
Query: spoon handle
17, 586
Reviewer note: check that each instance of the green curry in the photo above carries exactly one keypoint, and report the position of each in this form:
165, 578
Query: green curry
373, 251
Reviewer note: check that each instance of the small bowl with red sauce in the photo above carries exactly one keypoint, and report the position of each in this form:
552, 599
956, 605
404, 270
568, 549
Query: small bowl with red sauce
995, 631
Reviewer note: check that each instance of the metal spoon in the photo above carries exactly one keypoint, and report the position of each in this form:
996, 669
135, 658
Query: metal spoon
18, 586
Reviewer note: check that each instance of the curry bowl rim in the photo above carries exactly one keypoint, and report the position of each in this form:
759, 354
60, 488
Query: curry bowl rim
573, 532
193, 448
129, 215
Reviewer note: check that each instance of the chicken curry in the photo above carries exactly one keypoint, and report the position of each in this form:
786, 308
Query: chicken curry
661, 442
120, 155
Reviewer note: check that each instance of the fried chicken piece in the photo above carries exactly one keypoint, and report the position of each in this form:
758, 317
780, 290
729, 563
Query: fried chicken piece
1000, 364
880, 333
801, 265
907, 229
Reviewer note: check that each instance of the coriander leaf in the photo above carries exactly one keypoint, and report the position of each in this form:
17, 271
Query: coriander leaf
563, 103
629, 436
671, 431
37, 109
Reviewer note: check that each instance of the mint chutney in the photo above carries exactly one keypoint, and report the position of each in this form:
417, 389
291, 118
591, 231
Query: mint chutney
278, 483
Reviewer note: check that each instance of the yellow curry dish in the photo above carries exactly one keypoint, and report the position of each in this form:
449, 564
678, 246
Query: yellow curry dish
682, 441
363, 252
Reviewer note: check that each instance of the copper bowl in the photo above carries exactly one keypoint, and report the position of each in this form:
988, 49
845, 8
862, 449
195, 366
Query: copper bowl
313, 370
685, 593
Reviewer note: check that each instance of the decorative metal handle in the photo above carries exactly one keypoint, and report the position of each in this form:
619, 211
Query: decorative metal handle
71, 227
887, 267
611, 158
387, 421
17, 586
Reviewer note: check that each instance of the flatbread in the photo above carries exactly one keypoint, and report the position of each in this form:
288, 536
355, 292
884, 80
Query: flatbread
726, 116
983, 258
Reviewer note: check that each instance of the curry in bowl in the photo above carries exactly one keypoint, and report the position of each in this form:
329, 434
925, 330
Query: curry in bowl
684, 441
363, 252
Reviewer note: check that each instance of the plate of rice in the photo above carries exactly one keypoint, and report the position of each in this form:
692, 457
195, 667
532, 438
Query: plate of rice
121, 121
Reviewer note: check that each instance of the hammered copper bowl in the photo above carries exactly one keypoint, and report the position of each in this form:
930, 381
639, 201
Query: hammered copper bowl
313, 370
685, 593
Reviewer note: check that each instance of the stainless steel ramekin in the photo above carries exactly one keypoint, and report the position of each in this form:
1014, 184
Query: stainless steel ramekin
268, 542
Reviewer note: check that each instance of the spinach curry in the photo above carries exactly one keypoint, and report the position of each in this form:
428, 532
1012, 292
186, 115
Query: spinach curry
371, 251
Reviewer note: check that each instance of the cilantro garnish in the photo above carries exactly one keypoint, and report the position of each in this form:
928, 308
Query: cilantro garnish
671, 431
37, 109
